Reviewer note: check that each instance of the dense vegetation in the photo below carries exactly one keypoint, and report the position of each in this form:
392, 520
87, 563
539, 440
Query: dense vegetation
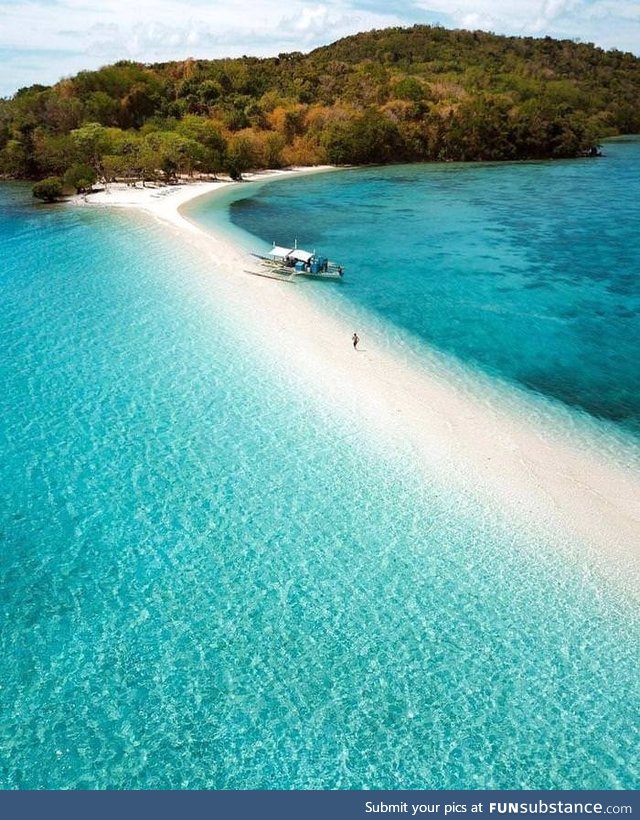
424, 93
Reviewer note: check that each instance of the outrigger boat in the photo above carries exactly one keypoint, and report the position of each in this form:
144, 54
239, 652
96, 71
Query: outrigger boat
289, 263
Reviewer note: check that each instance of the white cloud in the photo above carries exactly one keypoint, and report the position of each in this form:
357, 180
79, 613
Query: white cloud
311, 19
551, 10
476, 21
607, 23
138, 25
614, 10
514, 17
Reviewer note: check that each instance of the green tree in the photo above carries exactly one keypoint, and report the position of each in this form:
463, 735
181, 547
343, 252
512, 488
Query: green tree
14, 159
409, 88
208, 92
49, 189
139, 104
91, 142
369, 138
171, 153
203, 131
240, 156
101, 108
80, 177
126, 157
53, 153
19, 155
62, 113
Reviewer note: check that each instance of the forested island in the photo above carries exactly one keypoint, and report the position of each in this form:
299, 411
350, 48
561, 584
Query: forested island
417, 94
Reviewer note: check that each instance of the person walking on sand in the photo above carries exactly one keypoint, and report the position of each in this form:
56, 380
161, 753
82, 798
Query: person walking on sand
355, 339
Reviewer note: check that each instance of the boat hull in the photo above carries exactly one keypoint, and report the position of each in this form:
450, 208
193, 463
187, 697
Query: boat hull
288, 269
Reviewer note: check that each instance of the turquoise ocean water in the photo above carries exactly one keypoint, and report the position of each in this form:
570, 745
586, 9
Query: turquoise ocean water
529, 271
209, 580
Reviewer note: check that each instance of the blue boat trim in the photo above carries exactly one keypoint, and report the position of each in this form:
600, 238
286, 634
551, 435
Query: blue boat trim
289, 262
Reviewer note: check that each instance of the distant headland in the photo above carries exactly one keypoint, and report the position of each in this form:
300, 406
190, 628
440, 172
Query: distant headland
394, 95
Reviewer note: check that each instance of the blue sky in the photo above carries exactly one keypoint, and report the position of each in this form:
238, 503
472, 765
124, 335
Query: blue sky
42, 41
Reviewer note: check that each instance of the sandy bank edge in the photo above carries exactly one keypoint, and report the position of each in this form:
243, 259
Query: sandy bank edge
527, 469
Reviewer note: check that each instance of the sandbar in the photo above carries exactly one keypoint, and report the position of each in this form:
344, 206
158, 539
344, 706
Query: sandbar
539, 474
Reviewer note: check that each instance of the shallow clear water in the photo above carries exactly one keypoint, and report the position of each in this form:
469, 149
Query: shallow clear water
208, 579
530, 271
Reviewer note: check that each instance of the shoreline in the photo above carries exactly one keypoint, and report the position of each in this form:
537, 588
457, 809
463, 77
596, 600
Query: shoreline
533, 473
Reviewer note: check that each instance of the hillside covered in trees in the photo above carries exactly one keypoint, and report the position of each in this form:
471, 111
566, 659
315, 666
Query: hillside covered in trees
424, 93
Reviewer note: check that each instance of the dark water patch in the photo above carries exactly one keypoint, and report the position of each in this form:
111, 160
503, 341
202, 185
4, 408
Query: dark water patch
604, 401
626, 284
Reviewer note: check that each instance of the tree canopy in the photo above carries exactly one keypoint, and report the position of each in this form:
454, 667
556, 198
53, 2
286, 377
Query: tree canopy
49, 189
423, 93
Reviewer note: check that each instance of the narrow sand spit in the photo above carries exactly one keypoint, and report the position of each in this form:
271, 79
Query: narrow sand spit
540, 476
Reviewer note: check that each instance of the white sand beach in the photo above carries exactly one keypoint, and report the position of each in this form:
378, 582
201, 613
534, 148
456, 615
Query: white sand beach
541, 476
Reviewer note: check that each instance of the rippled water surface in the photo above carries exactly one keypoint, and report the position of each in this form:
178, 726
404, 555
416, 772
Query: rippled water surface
208, 579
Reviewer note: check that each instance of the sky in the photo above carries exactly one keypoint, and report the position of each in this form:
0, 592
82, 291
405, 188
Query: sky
42, 41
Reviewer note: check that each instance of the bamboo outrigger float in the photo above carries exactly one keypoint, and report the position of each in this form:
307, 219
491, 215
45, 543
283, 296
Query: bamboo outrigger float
289, 263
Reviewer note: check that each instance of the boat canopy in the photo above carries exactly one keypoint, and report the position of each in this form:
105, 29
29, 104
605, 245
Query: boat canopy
280, 252
300, 255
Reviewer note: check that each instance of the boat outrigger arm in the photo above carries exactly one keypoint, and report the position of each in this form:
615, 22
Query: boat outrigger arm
290, 262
